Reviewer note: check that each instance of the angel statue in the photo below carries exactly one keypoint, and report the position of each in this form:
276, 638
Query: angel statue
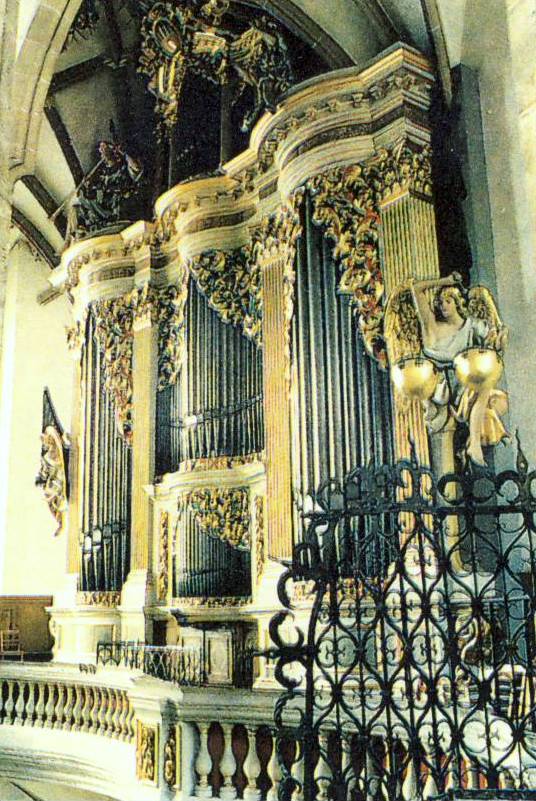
453, 340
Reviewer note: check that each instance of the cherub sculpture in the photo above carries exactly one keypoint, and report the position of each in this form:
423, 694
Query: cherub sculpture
445, 349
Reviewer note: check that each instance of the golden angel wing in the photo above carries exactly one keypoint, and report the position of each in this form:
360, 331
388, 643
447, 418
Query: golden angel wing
481, 305
401, 325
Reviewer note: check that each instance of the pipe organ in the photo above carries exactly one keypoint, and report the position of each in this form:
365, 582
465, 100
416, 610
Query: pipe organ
217, 407
233, 350
106, 477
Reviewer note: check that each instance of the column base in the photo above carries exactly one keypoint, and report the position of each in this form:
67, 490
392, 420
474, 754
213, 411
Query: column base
77, 632
136, 595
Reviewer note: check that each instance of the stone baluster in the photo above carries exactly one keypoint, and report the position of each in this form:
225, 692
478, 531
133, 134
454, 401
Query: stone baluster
123, 717
130, 731
471, 769
19, 704
430, 789
323, 775
373, 781
86, 708
49, 706
451, 774
110, 711
274, 772
9, 707
203, 764
40, 705
94, 710
68, 708
59, 709
410, 789
77, 707
30, 704
228, 764
298, 773
252, 767
115, 721
347, 765
102, 710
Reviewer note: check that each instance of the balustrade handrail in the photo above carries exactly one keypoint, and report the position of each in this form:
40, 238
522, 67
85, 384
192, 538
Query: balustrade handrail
182, 665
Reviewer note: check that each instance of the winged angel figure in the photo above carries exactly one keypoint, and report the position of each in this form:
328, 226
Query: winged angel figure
458, 337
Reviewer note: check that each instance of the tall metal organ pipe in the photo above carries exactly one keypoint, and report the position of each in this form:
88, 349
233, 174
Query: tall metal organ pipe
106, 480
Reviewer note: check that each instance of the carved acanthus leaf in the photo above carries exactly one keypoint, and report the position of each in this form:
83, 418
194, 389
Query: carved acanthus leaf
221, 513
171, 331
147, 753
231, 281
259, 535
114, 334
163, 562
347, 204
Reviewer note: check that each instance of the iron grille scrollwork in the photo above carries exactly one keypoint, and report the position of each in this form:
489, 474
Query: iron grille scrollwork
415, 680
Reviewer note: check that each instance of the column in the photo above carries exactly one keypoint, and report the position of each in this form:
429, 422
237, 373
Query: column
144, 388
409, 250
275, 252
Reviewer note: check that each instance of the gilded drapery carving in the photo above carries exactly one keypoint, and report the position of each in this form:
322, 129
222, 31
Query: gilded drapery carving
259, 535
347, 203
276, 238
52, 475
221, 513
147, 753
163, 561
171, 331
232, 282
114, 334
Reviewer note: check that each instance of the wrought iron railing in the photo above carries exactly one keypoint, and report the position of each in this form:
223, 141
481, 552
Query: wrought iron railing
182, 665
420, 682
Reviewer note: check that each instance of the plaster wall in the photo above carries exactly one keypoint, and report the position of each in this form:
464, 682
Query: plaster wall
36, 356
490, 39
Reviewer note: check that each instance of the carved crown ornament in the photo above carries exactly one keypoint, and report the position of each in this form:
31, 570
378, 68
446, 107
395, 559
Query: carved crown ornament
189, 35
221, 513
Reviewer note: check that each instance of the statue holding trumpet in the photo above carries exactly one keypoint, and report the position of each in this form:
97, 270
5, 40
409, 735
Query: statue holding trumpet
96, 202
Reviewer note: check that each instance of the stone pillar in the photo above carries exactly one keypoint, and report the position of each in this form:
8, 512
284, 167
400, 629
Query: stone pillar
275, 253
144, 382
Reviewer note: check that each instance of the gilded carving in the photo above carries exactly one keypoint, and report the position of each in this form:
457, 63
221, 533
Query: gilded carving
147, 753
259, 535
225, 602
221, 513
163, 562
109, 600
220, 462
52, 475
75, 336
182, 35
276, 237
171, 331
114, 334
445, 347
347, 204
232, 282
172, 751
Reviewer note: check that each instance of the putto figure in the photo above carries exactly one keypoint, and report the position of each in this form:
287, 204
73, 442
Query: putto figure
455, 339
